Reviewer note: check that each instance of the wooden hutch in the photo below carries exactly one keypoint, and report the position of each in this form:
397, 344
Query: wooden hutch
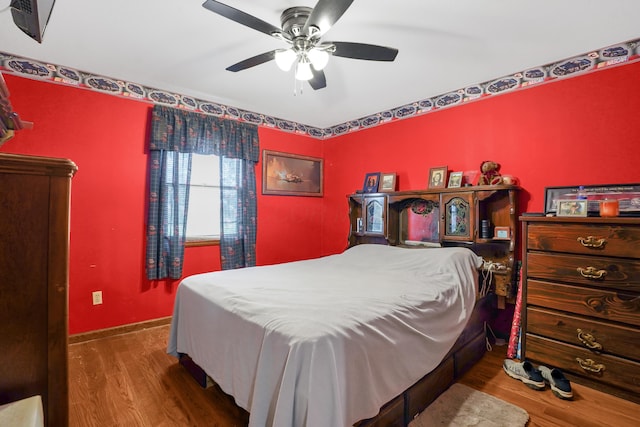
482, 218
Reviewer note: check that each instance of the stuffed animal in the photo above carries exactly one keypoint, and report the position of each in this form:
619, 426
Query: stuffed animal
490, 173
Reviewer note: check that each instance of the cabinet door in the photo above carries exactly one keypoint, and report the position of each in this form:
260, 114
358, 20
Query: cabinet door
375, 215
458, 216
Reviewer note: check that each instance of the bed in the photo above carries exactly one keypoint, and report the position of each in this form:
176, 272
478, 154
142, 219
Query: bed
366, 337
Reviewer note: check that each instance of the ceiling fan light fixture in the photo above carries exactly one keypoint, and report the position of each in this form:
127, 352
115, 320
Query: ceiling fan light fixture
319, 58
285, 59
303, 69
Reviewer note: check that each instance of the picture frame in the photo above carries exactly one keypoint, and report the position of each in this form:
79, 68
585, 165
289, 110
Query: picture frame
455, 180
438, 177
572, 207
628, 196
371, 181
287, 174
501, 233
387, 182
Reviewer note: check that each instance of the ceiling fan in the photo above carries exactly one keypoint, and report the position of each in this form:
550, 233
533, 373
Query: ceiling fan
303, 28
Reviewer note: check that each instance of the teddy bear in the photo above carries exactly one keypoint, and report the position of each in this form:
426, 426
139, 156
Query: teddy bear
490, 173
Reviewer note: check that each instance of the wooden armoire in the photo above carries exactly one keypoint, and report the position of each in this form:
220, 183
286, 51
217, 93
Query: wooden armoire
34, 275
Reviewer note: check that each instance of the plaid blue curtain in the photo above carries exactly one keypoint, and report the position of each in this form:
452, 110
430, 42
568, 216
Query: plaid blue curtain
175, 134
170, 173
238, 214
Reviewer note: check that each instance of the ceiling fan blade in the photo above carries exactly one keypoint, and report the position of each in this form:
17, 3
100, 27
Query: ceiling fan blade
318, 81
369, 52
241, 17
253, 61
325, 14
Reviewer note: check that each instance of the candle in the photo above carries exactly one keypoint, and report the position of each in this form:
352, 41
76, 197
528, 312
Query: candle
609, 208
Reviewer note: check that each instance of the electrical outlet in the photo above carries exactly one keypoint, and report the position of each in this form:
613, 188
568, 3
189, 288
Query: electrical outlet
97, 297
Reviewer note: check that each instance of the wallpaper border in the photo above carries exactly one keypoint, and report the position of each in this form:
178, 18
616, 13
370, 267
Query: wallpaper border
621, 53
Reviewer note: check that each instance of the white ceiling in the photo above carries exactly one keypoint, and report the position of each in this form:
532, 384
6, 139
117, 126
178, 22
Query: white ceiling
444, 45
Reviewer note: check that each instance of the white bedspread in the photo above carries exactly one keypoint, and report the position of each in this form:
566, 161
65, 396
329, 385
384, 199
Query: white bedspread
328, 341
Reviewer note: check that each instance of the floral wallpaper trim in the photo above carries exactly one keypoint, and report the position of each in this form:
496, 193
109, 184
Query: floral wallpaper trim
625, 52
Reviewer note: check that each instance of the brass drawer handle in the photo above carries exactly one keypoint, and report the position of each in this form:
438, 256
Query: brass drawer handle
588, 340
592, 273
590, 365
592, 242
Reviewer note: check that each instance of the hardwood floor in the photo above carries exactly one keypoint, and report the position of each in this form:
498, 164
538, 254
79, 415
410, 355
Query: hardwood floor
589, 407
129, 380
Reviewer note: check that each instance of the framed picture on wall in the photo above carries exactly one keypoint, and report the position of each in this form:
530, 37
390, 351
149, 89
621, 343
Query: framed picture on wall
387, 182
371, 181
438, 177
291, 174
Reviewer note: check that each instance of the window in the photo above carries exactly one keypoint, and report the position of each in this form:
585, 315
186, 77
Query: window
203, 217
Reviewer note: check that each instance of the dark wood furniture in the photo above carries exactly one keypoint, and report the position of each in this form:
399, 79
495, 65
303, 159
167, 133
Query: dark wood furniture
466, 352
447, 217
34, 242
581, 300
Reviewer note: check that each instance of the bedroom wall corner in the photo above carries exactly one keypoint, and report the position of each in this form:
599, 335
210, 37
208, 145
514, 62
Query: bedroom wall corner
106, 137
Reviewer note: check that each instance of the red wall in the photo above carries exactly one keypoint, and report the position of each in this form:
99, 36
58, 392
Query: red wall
288, 227
106, 137
581, 130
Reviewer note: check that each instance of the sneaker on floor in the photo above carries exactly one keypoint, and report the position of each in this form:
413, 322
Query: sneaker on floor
525, 372
560, 385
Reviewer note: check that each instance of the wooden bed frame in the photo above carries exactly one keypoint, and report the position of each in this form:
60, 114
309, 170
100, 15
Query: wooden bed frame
468, 349
498, 204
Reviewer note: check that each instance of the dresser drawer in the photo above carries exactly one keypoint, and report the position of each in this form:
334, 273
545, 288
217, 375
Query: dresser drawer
611, 370
592, 239
590, 334
615, 273
608, 305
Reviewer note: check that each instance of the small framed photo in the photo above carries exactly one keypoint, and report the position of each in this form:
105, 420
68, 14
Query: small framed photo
387, 182
455, 180
371, 181
572, 207
501, 233
438, 177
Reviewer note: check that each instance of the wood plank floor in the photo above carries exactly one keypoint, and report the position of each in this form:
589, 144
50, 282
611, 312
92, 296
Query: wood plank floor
129, 380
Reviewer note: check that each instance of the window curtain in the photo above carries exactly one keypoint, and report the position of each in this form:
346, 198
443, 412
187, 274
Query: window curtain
175, 135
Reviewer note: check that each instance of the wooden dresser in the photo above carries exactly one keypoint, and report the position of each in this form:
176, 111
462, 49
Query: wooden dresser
34, 274
581, 300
